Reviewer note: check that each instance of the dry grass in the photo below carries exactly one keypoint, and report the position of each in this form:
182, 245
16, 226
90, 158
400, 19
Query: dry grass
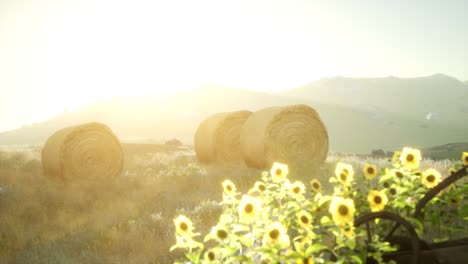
128, 220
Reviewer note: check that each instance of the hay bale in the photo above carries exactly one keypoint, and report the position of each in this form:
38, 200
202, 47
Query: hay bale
89, 151
294, 135
217, 139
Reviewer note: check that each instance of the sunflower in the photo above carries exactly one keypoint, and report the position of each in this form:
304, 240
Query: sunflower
249, 207
210, 257
259, 187
297, 190
279, 171
229, 187
370, 171
344, 173
348, 230
452, 171
392, 191
465, 158
306, 260
184, 227
377, 200
396, 173
220, 233
342, 210
276, 235
431, 178
304, 219
396, 158
315, 186
454, 201
410, 158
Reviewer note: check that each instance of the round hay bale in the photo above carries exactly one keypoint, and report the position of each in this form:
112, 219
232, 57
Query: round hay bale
217, 139
89, 151
294, 135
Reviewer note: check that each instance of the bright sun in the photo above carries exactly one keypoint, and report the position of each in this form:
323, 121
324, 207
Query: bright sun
80, 52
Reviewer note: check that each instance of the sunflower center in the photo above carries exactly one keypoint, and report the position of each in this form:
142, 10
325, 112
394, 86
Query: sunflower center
274, 234
211, 256
248, 208
386, 185
315, 185
183, 226
430, 178
377, 199
278, 172
222, 234
229, 188
304, 219
296, 190
343, 176
305, 261
261, 187
370, 170
343, 209
392, 191
399, 174
453, 200
409, 157
466, 158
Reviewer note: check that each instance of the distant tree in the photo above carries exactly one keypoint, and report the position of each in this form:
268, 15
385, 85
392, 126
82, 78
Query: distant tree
174, 142
378, 152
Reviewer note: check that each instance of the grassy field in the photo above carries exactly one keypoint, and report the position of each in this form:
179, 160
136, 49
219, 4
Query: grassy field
126, 220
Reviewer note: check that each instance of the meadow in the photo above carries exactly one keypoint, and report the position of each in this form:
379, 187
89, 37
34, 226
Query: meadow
131, 218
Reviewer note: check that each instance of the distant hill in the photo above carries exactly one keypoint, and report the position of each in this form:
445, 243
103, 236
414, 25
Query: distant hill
360, 114
433, 99
448, 151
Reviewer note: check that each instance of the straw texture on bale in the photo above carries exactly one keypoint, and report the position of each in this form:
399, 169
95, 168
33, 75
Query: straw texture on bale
89, 151
217, 139
294, 135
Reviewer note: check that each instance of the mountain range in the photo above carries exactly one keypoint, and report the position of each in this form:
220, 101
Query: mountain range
361, 114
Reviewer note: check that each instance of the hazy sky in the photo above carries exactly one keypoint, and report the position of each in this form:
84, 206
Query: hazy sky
64, 54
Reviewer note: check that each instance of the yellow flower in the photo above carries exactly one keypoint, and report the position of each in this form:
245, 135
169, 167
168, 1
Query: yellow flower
454, 201
392, 191
210, 257
279, 172
370, 171
410, 158
396, 158
342, 210
258, 187
465, 158
184, 227
348, 230
249, 208
297, 190
344, 173
452, 171
431, 178
229, 187
306, 260
377, 200
276, 235
220, 233
315, 186
396, 173
304, 219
